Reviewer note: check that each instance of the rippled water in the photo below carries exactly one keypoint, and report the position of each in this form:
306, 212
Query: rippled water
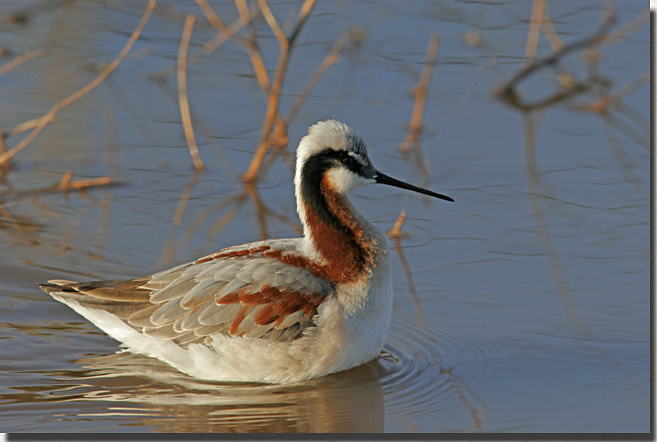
521, 307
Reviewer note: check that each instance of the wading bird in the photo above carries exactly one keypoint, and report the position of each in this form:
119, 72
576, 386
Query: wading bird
274, 311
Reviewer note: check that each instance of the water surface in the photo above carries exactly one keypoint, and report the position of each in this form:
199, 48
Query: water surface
524, 306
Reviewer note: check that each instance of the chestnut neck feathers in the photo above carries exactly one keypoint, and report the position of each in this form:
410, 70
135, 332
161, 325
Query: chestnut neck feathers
331, 160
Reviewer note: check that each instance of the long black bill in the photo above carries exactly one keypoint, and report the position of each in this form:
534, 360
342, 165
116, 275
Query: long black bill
385, 179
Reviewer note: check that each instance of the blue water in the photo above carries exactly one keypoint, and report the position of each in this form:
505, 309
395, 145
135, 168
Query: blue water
527, 308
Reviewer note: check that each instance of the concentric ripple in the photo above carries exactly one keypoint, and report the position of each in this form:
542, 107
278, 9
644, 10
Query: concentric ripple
426, 371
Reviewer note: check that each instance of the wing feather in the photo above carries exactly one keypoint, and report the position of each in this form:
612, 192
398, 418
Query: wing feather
203, 292
176, 289
214, 314
168, 313
142, 317
240, 291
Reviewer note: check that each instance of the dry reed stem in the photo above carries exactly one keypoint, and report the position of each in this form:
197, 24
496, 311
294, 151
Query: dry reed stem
280, 129
5, 214
274, 128
202, 128
3, 146
20, 60
251, 46
222, 37
328, 61
294, 225
225, 220
93, 182
182, 93
624, 160
231, 32
169, 247
627, 29
415, 124
273, 24
272, 115
22, 127
184, 199
250, 43
264, 212
65, 184
274, 95
542, 232
305, 10
225, 32
4, 171
396, 231
251, 190
396, 234
550, 31
615, 100
43, 121
7, 219
535, 24
507, 90
244, 12
66, 179
628, 130
194, 226
602, 105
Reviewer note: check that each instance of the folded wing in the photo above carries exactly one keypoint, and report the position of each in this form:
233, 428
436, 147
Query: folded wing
241, 291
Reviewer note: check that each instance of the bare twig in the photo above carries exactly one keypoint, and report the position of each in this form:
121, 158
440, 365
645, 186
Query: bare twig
40, 123
65, 184
246, 17
550, 32
225, 32
167, 254
543, 234
328, 61
396, 231
223, 222
271, 139
535, 23
203, 129
280, 129
251, 190
274, 128
273, 24
507, 91
81, 184
628, 29
3, 146
66, 179
421, 93
182, 93
396, 234
601, 105
20, 60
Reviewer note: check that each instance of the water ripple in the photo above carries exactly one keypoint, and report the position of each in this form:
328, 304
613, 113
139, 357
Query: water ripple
426, 371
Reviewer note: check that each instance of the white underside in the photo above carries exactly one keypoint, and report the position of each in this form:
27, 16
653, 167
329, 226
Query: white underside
340, 341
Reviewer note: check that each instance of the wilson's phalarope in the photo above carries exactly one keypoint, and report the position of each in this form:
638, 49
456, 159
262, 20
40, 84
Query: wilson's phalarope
274, 311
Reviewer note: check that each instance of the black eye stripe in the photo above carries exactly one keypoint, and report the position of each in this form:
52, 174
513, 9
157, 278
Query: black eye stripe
343, 157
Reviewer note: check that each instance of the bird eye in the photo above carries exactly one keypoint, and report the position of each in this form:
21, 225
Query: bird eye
349, 161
